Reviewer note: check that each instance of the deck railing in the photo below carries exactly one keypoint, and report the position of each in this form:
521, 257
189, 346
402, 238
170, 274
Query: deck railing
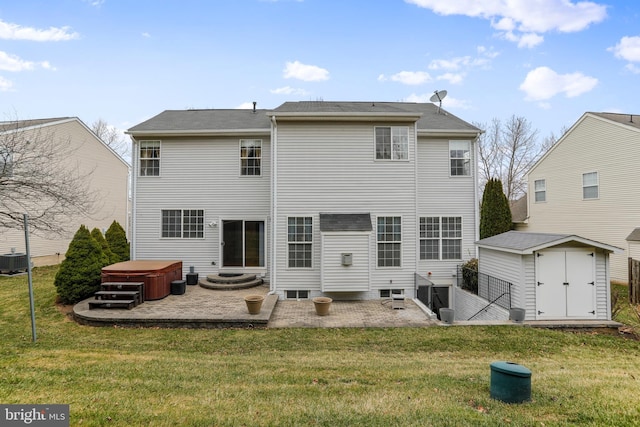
491, 288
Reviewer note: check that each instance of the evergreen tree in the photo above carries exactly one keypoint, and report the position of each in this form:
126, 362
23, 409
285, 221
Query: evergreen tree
117, 240
79, 274
97, 234
495, 214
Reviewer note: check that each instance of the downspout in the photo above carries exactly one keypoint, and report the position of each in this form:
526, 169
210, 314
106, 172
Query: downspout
274, 203
476, 198
134, 188
417, 209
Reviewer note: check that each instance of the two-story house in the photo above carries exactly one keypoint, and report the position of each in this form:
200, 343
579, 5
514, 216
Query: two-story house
348, 199
587, 184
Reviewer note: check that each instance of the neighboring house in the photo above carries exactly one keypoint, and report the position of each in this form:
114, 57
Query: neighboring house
108, 181
587, 184
344, 198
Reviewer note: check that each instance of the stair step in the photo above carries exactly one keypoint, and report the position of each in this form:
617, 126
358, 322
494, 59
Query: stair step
229, 279
124, 286
230, 286
119, 295
120, 303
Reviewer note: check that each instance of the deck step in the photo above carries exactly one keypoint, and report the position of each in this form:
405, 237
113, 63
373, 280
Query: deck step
124, 286
249, 281
230, 278
119, 295
120, 303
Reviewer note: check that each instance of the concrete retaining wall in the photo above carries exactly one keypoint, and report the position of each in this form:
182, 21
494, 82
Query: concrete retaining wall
468, 304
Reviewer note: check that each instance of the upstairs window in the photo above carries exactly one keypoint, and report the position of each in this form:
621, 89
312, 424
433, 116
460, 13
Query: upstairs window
590, 185
250, 157
540, 187
460, 158
392, 143
184, 224
149, 158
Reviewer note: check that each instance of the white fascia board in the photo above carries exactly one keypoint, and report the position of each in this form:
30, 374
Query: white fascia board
449, 133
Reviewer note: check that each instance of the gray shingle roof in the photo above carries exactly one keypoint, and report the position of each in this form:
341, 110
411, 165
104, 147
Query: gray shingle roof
205, 120
175, 121
525, 242
634, 236
632, 120
21, 124
345, 222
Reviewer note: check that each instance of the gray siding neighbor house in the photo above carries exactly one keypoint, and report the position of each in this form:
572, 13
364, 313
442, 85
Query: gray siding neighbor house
344, 199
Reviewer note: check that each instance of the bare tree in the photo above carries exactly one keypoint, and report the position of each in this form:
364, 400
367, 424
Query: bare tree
37, 177
113, 137
507, 152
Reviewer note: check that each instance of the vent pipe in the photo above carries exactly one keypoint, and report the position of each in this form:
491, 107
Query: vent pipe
254, 106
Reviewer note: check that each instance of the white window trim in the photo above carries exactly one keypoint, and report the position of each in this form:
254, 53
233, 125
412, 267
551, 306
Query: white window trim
597, 185
241, 158
313, 238
390, 267
441, 238
449, 158
204, 223
541, 191
375, 154
148, 158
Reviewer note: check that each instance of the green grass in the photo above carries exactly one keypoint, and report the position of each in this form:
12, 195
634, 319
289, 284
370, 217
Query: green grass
436, 376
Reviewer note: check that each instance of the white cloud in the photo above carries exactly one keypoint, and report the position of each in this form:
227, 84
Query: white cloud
543, 83
628, 48
307, 73
13, 63
288, 90
522, 21
633, 68
411, 77
245, 106
17, 32
453, 78
146, 35
5, 85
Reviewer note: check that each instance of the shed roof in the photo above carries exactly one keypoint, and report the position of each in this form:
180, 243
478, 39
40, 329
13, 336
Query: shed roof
345, 222
521, 242
634, 236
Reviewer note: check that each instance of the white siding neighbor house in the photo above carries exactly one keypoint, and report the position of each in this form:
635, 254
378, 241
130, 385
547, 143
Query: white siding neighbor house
344, 199
587, 184
108, 176
554, 276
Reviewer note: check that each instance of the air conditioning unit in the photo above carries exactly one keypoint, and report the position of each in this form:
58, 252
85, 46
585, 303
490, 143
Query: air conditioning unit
13, 263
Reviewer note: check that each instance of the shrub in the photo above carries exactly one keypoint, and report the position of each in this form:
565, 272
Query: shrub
79, 274
470, 275
495, 214
117, 239
97, 235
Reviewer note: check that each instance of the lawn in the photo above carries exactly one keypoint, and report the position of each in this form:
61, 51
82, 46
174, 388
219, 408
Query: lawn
437, 376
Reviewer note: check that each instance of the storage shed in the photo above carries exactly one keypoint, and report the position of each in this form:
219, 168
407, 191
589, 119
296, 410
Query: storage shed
554, 276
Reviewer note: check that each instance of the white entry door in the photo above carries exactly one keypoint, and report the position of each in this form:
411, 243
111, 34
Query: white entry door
565, 284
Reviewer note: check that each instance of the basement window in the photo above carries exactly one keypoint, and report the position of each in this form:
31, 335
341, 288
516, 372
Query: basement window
386, 293
297, 294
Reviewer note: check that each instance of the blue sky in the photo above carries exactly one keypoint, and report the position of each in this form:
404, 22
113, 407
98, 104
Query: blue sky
125, 61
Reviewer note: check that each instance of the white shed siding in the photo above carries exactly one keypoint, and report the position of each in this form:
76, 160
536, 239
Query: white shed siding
108, 182
440, 194
529, 287
505, 266
603, 302
340, 278
593, 145
331, 167
199, 173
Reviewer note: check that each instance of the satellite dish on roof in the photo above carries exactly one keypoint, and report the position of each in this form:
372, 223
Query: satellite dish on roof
438, 96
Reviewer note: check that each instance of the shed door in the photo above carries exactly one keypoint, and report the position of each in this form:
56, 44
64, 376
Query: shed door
565, 284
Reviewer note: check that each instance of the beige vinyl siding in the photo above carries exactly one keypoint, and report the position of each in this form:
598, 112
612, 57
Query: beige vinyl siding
440, 194
200, 173
340, 278
108, 182
331, 167
592, 145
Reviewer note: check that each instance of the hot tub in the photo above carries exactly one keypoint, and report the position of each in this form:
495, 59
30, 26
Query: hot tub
156, 275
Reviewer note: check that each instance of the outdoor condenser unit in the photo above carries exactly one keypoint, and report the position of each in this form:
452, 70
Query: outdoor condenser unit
11, 263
